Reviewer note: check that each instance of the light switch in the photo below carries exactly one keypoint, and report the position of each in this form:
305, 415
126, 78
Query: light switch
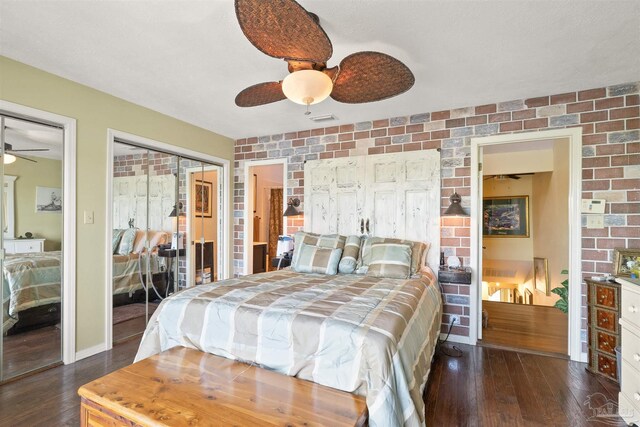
88, 217
595, 221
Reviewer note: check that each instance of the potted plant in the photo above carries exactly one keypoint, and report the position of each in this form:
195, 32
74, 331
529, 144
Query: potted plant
563, 292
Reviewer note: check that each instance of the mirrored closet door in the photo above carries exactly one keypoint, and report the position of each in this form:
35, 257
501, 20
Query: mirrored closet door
165, 227
31, 174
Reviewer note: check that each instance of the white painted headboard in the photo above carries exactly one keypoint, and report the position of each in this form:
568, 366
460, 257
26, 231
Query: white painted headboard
396, 195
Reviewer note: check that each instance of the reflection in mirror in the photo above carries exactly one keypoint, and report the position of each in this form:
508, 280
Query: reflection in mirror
32, 218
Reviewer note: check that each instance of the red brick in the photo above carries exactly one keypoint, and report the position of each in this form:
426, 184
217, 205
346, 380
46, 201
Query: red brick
346, 136
249, 156
610, 126
383, 141
633, 124
595, 232
595, 162
625, 208
610, 243
343, 153
463, 171
608, 173
609, 149
624, 113
629, 159
440, 134
421, 136
484, 109
414, 146
595, 255
587, 173
633, 196
415, 128
398, 130
563, 98
476, 120
317, 132
450, 241
596, 116
361, 135
375, 150
633, 147
452, 182
537, 102
328, 155
381, 123
291, 135
594, 139
500, 117
376, 133
440, 115
580, 107
349, 145
592, 94
632, 100
625, 232
633, 243
252, 140
633, 219
333, 146
607, 103
595, 185
536, 123
524, 114
604, 267
298, 143
331, 130
510, 126
393, 148
431, 145
455, 123
587, 128
346, 128
304, 134
625, 184
589, 243
463, 232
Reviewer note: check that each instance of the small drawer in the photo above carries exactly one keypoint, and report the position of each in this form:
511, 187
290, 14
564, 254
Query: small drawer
630, 310
631, 348
606, 319
607, 366
628, 408
630, 386
606, 342
606, 296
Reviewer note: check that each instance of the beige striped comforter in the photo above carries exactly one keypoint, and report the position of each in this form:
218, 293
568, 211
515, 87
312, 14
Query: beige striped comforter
370, 336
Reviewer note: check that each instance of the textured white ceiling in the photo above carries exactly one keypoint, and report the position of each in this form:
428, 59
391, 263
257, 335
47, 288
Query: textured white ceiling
189, 59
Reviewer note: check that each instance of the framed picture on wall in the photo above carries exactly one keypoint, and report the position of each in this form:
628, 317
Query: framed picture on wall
528, 296
541, 276
48, 200
203, 193
626, 262
505, 216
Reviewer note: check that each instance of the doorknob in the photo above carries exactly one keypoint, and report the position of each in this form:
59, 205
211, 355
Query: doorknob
361, 225
367, 226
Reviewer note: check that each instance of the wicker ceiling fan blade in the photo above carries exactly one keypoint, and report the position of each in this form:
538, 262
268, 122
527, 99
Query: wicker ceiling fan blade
30, 149
283, 29
260, 94
24, 158
369, 77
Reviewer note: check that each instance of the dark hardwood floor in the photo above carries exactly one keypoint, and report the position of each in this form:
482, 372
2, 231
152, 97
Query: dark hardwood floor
483, 387
31, 350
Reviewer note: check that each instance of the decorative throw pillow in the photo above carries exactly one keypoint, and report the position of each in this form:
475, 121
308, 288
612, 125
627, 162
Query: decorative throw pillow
126, 242
417, 250
332, 241
314, 259
115, 240
391, 260
350, 253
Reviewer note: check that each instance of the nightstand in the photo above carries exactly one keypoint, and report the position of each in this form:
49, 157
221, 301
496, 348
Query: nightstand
170, 254
461, 276
280, 262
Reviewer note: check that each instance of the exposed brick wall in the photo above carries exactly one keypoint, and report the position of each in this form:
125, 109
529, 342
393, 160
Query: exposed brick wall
609, 118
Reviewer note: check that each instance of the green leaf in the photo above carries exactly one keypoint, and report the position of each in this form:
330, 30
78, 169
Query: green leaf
562, 306
563, 293
565, 283
564, 272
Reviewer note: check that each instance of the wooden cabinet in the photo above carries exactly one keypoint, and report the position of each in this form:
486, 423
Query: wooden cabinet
629, 396
604, 332
385, 195
22, 246
259, 257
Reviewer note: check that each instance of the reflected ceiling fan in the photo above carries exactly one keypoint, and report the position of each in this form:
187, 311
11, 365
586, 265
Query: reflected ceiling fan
284, 29
10, 153
503, 177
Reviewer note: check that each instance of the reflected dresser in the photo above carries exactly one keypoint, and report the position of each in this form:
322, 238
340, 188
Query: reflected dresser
629, 396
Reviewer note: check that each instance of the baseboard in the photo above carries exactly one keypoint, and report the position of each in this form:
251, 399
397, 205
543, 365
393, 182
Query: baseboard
456, 338
87, 352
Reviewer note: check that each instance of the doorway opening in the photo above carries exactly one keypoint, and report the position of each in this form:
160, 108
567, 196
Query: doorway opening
265, 201
525, 197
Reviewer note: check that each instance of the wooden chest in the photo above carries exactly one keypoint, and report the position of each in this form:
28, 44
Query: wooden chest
604, 330
185, 387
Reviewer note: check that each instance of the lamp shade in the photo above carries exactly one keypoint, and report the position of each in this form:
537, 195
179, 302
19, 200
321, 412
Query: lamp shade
307, 87
292, 208
8, 158
176, 211
455, 209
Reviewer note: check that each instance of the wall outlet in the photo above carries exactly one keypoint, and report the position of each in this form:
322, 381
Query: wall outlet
454, 318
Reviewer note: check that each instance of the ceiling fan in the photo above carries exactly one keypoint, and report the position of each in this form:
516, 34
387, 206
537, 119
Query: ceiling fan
284, 29
10, 153
503, 177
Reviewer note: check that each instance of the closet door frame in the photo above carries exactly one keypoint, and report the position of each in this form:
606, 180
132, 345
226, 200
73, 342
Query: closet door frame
68, 125
224, 178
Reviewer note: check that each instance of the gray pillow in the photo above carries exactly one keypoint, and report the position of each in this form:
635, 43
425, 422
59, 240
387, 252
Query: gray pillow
349, 259
391, 260
126, 242
314, 259
115, 240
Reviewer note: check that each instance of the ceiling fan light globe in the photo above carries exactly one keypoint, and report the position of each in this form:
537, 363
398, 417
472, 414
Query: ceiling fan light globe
307, 87
8, 158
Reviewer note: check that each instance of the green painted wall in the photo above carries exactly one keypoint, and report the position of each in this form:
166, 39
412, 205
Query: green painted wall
45, 173
95, 112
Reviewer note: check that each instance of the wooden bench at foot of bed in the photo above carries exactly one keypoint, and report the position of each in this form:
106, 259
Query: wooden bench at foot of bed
185, 387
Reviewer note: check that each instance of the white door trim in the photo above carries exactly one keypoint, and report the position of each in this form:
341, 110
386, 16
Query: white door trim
151, 144
248, 203
69, 220
575, 232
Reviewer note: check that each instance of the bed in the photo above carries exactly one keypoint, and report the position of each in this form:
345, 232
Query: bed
373, 336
